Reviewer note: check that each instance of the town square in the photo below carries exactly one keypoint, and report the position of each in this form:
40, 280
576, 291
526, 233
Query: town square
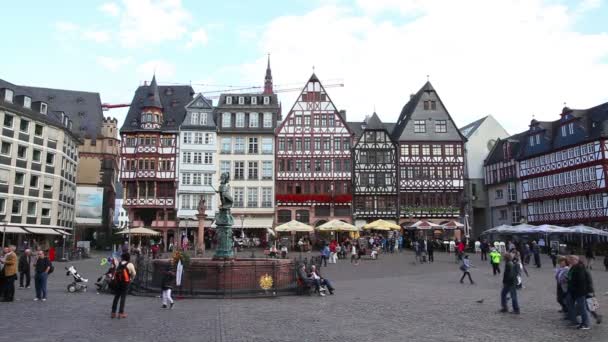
304, 171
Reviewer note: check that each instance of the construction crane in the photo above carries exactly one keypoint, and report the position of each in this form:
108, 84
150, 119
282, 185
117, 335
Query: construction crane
108, 106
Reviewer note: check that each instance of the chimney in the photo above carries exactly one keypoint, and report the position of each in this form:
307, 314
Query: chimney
343, 114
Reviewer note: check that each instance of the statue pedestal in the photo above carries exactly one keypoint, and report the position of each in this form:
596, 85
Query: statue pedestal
224, 222
201, 234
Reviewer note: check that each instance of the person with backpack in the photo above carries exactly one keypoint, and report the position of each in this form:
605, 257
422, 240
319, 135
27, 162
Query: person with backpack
124, 274
43, 268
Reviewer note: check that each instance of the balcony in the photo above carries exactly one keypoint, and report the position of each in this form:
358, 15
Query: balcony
321, 198
437, 212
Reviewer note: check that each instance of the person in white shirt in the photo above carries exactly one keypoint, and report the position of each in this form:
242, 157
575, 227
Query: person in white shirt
477, 247
320, 281
353, 254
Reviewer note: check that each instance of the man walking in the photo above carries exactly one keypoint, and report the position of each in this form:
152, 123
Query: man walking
25, 267
43, 266
536, 252
484, 250
495, 261
580, 286
430, 249
509, 283
10, 273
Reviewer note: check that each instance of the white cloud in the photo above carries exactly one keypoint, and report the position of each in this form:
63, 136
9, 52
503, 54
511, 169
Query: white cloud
113, 63
164, 70
198, 37
587, 5
145, 22
110, 8
65, 26
511, 59
97, 36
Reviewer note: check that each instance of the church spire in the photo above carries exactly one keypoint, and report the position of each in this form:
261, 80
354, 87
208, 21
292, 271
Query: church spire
268, 79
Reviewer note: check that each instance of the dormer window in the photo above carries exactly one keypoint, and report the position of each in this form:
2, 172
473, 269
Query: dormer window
241, 100
266, 100
254, 100
27, 102
43, 108
567, 129
194, 118
229, 100
8, 95
203, 118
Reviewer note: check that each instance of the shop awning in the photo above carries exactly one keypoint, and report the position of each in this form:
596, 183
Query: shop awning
13, 230
41, 231
251, 223
63, 232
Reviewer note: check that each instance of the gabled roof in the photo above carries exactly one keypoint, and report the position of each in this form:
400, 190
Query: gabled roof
370, 123
374, 122
82, 107
469, 129
153, 97
173, 100
413, 108
496, 153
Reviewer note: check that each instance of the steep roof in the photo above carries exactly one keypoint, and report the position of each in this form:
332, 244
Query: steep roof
153, 97
496, 153
173, 100
469, 129
374, 122
414, 109
370, 123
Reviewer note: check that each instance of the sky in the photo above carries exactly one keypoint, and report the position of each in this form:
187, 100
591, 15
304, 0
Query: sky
515, 60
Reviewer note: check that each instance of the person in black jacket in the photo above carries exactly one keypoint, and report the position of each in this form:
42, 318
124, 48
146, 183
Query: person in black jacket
25, 267
167, 286
430, 249
580, 286
509, 285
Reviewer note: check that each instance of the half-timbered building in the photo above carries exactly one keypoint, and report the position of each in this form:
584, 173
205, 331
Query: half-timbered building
431, 159
313, 160
374, 170
148, 156
562, 165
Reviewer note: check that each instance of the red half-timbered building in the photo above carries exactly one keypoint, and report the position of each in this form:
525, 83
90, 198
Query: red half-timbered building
148, 156
313, 160
431, 160
562, 166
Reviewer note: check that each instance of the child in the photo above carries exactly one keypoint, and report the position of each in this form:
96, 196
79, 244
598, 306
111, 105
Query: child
168, 279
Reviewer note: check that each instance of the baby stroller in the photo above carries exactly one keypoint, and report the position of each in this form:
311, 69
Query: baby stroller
79, 283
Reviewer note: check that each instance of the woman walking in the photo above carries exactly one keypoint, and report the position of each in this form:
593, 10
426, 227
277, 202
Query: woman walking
353, 254
466, 269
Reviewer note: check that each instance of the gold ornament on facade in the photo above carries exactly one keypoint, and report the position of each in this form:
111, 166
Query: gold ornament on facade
266, 282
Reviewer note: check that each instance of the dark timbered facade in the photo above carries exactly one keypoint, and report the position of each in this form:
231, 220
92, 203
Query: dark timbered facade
374, 170
562, 166
430, 159
148, 155
313, 160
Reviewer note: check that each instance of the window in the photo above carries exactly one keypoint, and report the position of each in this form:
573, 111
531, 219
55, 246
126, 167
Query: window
186, 179
419, 126
38, 129
197, 157
266, 197
327, 165
225, 166
226, 145
252, 197
317, 144
24, 126
499, 194
436, 150
537, 139
185, 202
239, 145
21, 152
229, 100
426, 150
267, 145
267, 169
196, 178
254, 120
43, 108
226, 119
326, 144
8, 95
531, 140
31, 208
8, 120
241, 100
441, 126
252, 170
306, 144
198, 138
16, 210
208, 158
50, 158
194, 118
27, 102
207, 178
267, 120
187, 157
338, 165
503, 214
34, 181
571, 128
48, 184
187, 137
266, 100
298, 144
564, 130
208, 138
337, 144
240, 120
254, 100
238, 197
203, 119
239, 170
253, 146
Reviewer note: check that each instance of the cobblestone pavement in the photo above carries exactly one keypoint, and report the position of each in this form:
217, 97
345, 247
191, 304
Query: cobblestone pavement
390, 299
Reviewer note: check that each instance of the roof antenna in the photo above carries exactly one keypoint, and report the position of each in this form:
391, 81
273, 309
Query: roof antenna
313, 69
427, 78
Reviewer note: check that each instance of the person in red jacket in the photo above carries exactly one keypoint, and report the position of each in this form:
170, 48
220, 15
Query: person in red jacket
460, 249
332, 252
52, 253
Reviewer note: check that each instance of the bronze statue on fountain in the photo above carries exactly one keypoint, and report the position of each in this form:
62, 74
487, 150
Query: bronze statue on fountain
224, 221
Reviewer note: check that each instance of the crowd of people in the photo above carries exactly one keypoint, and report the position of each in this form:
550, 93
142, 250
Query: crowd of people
13, 267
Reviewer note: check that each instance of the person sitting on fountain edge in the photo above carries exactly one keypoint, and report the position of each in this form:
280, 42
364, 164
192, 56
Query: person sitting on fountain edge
319, 281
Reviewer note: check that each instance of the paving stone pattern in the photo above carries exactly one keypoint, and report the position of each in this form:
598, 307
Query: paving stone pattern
390, 299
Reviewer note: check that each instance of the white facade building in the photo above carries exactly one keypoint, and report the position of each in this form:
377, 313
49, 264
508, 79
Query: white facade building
197, 165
